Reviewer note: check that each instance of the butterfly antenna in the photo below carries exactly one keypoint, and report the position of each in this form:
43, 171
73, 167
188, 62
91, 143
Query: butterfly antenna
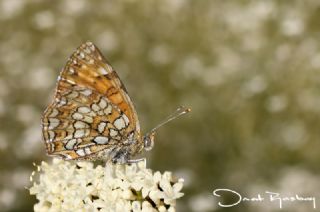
179, 112
148, 139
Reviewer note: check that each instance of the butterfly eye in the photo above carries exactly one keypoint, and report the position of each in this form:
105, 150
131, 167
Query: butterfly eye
148, 141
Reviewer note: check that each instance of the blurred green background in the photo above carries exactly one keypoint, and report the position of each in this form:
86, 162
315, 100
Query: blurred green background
250, 71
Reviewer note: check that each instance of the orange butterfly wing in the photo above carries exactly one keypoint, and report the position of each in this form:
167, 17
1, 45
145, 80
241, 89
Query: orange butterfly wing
91, 113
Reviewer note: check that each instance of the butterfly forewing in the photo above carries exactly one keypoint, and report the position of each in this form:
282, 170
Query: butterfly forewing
91, 111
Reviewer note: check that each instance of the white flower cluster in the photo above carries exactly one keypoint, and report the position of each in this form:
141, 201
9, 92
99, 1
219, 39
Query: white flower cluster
80, 186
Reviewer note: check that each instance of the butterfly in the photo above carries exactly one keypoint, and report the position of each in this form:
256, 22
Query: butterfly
92, 116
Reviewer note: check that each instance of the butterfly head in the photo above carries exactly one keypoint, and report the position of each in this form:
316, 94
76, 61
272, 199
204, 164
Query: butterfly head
148, 141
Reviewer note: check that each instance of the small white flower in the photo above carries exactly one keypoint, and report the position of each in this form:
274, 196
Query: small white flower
79, 186
171, 193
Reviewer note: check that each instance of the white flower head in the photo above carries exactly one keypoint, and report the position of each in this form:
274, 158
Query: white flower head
81, 186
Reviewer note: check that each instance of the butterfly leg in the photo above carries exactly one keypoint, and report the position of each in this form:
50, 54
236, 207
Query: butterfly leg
136, 160
123, 157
